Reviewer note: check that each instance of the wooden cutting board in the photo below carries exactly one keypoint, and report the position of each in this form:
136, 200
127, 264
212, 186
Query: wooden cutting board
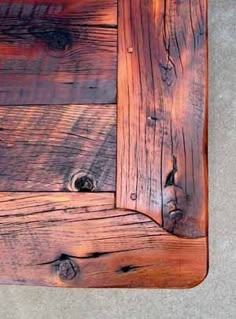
103, 143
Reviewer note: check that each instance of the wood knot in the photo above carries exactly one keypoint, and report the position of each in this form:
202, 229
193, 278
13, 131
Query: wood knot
82, 182
67, 269
176, 215
56, 38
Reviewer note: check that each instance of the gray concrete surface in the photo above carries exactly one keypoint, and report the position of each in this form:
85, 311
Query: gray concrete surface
215, 298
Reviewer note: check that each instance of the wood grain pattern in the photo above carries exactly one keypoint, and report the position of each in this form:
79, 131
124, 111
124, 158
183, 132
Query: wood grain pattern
79, 240
151, 231
47, 148
58, 52
162, 112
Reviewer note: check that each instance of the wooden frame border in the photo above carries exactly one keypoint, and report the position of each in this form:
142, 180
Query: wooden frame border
162, 113
154, 233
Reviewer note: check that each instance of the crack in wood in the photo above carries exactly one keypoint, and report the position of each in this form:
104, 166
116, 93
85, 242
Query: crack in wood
170, 180
127, 269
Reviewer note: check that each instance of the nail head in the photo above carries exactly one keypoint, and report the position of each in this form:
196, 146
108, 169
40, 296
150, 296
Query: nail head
133, 196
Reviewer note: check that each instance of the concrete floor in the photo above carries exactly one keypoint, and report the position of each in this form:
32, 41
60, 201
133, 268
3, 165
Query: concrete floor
216, 297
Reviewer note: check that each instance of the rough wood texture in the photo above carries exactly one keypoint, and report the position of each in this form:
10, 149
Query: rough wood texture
162, 112
152, 230
51, 148
58, 51
79, 240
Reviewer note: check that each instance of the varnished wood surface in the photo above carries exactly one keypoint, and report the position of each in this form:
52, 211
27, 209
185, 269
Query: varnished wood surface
162, 112
79, 240
49, 148
58, 52
70, 215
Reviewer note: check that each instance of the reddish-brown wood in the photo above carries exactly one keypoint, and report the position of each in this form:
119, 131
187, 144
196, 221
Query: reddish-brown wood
48, 50
151, 229
49, 148
79, 240
162, 112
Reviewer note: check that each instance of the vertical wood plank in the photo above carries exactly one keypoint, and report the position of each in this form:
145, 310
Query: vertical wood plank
162, 112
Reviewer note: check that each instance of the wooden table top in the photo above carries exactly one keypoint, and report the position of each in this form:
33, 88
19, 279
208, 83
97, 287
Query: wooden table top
103, 143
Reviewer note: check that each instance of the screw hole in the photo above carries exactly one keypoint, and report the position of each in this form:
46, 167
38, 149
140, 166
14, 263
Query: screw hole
133, 196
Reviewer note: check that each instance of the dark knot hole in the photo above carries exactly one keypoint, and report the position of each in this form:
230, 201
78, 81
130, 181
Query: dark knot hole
56, 38
84, 184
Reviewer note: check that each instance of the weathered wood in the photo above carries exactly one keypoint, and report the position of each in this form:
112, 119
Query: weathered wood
58, 52
51, 148
152, 230
162, 112
79, 240
103, 12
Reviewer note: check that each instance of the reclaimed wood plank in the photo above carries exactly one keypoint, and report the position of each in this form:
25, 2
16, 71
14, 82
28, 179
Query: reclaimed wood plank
162, 112
52, 148
103, 12
58, 52
79, 240
151, 231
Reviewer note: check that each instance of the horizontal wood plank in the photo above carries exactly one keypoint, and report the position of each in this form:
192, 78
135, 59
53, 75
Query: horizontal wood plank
162, 112
60, 52
103, 12
51, 148
79, 240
